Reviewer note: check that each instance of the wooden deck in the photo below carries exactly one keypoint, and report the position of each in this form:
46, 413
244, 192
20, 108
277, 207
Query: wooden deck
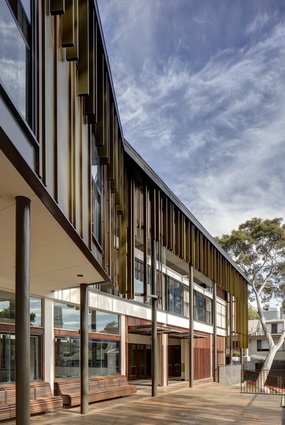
205, 404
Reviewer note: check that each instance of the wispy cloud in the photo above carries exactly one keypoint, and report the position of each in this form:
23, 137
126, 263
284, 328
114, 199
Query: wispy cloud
221, 124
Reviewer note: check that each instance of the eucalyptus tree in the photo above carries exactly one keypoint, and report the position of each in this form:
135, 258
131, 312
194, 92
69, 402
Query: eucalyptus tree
258, 247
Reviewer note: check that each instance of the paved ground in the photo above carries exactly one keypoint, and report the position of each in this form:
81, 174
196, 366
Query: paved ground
206, 403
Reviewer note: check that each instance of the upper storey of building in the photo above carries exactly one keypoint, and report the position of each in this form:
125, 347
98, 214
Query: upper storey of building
95, 203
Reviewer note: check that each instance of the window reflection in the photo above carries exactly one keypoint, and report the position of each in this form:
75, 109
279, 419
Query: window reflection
202, 308
103, 357
8, 309
96, 194
7, 357
27, 7
99, 321
13, 52
66, 316
174, 296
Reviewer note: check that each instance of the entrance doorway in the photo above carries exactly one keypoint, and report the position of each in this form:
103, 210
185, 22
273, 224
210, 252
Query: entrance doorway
139, 361
174, 361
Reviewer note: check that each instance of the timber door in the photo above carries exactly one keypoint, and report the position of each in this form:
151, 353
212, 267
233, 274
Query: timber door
174, 361
139, 361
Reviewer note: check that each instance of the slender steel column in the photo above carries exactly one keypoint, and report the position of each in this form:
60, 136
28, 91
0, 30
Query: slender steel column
22, 310
231, 328
154, 376
191, 330
215, 348
84, 348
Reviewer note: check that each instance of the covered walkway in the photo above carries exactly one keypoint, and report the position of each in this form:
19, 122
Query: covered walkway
206, 403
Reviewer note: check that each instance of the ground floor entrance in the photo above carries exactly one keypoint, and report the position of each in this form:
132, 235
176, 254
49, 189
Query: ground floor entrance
139, 361
174, 361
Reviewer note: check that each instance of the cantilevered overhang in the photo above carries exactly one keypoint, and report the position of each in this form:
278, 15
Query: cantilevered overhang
59, 258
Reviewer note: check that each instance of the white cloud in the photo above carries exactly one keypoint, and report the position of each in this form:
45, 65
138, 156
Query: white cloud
213, 133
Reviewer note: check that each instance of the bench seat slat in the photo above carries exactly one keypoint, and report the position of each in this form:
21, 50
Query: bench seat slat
100, 388
41, 399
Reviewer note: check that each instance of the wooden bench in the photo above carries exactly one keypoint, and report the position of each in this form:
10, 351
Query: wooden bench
41, 399
100, 388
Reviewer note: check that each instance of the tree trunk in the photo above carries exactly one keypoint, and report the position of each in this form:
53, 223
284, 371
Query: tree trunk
273, 347
260, 382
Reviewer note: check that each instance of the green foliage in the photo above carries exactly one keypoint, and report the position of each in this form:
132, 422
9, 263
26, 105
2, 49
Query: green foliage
258, 247
252, 313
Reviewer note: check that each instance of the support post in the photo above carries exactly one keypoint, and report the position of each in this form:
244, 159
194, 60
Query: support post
215, 348
153, 296
84, 349
231, 328
22, 310
191, 325
154, 376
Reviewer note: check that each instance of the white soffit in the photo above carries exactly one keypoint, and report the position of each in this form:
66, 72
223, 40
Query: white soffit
56, 261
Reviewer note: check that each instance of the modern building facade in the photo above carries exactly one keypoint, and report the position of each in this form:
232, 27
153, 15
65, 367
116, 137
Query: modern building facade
102, 268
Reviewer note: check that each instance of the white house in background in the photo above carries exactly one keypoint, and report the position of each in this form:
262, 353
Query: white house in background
258, 345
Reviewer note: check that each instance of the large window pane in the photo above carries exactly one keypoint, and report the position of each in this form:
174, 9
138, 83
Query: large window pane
8, 309
202, 308
14, 55
7, 357
66, 316
96, 194
67, 357
102, 322
174, 296
27, 7
104, 357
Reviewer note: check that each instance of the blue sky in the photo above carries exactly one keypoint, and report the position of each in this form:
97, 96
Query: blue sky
200, 86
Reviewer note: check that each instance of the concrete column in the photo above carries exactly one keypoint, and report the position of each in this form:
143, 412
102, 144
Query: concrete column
84, 348
48, 320
191, 325
215, 347
22, 310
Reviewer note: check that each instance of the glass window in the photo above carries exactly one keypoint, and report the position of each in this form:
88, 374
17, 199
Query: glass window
104, 357
8, 309
36, 311
202, 308
99, 321
174, 296
221, 316
67, 356
7, 357
274, 328
15, 69
96, 194
27, 7
262, 345
66, 316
